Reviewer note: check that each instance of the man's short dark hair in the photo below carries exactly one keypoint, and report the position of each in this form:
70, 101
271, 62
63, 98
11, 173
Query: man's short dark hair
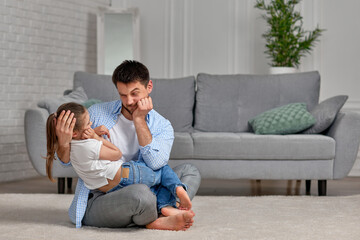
131, 71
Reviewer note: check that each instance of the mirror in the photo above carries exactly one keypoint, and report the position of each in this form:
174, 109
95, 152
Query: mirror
117, 38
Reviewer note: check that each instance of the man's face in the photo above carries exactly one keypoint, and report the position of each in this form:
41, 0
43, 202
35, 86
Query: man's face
131, 93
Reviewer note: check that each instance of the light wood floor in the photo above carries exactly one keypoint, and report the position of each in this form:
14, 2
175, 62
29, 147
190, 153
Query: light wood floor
343, 187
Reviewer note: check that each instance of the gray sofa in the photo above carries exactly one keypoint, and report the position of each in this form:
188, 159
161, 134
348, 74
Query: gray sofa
210, 117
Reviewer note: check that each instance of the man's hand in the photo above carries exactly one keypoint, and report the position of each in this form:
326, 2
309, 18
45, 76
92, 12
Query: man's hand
144, 106
102, 130
65, 123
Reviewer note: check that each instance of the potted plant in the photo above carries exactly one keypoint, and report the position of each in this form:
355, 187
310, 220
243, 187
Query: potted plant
286, 40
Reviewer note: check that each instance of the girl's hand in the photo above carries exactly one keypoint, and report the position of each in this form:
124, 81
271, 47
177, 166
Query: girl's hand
64, 128
89, 133
102, 130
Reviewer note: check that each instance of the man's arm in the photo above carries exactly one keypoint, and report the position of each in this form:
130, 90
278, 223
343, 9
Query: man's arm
142, 130
65, 123
157, 153
155, 147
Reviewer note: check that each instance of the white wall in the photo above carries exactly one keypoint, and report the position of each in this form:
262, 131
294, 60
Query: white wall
185, 37
338, 59
42, 43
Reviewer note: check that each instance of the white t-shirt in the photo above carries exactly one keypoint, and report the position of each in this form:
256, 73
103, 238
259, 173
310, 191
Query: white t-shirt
123, 136
84, 157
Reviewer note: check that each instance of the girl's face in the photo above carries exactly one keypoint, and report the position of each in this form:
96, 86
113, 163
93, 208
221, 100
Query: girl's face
85, 124
86, 121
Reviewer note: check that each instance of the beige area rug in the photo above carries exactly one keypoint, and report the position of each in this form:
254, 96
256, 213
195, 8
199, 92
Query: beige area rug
44, 216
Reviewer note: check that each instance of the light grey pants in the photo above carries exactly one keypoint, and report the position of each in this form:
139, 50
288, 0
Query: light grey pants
135, 204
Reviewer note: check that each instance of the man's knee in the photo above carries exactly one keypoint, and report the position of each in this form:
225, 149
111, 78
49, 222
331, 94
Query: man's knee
189, 175
146, 210
187, 169
192, 169
142, 194
135, 203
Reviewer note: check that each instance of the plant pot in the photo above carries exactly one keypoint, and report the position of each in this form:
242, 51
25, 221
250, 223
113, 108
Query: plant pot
282, 70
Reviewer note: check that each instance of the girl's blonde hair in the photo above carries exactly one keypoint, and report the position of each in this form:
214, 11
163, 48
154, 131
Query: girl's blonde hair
52, 141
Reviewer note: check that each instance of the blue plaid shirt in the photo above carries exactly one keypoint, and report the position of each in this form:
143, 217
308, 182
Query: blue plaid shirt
155, 155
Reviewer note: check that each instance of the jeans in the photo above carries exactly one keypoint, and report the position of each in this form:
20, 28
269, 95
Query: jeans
162, 182
135, 204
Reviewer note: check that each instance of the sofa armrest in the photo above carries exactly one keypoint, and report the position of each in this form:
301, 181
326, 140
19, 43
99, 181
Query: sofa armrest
35, 137
346, 132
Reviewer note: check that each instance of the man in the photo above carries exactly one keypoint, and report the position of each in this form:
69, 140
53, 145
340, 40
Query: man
141, 133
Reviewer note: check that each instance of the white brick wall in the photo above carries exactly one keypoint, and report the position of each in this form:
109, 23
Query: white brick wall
42, 44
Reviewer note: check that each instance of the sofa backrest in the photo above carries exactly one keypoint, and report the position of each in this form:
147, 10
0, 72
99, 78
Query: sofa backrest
225, 103
172, 98
96, 86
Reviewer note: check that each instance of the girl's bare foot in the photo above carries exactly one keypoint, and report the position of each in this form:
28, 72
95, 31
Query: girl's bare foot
179, 222
171, 211
185, 202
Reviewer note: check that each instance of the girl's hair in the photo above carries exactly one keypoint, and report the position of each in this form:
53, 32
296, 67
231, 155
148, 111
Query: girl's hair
52, 141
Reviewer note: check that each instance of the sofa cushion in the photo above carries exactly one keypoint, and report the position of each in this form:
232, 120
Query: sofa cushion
261, 169
183, 147
325, 113
174, 99
213, 145
96, 86
225, 103
287, 119
52, 104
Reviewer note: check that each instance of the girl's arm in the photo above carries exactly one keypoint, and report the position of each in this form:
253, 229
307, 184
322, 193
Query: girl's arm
108, 151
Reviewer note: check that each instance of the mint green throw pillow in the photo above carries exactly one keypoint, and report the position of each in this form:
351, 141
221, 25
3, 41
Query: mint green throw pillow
291, 118
91, 102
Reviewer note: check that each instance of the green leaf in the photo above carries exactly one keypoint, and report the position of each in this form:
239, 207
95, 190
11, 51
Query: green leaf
286, 40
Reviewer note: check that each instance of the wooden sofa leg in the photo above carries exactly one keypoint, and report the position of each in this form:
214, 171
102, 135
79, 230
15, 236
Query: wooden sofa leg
308, 187
61, 185
322, 187
297, 187
69, 184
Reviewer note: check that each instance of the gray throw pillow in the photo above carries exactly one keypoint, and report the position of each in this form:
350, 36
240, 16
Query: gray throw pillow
52, 104
325, 113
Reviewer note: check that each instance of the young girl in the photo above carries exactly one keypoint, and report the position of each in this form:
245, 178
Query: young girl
97, 163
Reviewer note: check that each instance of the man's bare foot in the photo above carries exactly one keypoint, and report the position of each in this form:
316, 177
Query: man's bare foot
185, 202
179, 222
171, 211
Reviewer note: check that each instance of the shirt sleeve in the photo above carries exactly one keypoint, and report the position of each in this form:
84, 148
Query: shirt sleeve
157, 153
96, 149
92, 114
85, 150
61, 162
